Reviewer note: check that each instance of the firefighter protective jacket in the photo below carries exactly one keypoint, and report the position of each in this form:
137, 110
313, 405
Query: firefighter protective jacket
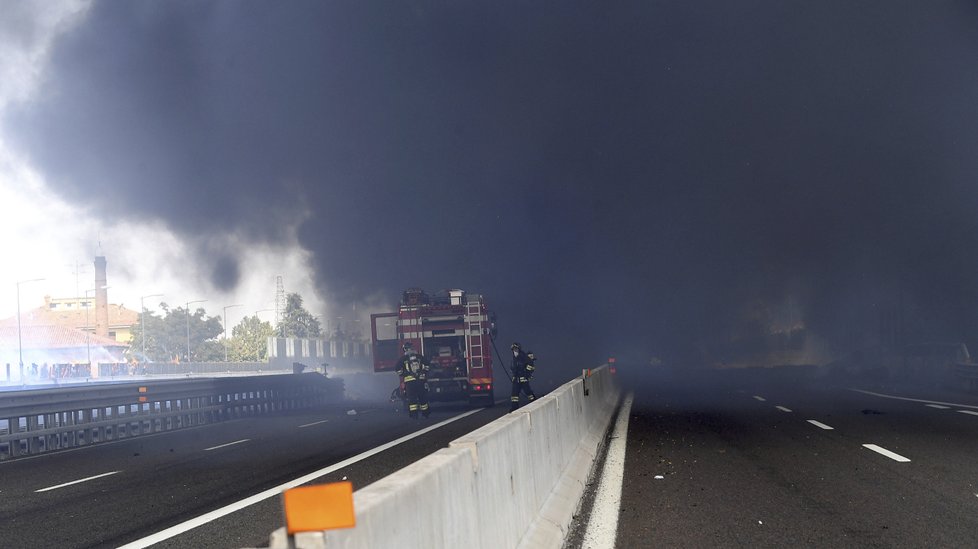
412, 367
522, 367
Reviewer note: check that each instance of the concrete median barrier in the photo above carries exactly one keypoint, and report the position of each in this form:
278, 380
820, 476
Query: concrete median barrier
515, 482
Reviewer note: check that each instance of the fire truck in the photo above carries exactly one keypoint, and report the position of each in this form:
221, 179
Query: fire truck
453, 330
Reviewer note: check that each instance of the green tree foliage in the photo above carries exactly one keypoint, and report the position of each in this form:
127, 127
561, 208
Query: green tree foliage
297, 321
249, 340
166, 336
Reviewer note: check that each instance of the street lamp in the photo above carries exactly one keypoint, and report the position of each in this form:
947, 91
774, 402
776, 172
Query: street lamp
226, 328
142, 320
188, 325
20, 344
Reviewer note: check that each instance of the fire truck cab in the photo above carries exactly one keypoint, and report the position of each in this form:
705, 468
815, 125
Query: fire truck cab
453, 330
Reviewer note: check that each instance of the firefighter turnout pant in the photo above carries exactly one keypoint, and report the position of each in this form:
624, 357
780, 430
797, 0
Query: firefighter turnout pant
417, 397
520, 384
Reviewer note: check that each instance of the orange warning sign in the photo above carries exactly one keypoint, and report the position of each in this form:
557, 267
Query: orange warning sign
319, 507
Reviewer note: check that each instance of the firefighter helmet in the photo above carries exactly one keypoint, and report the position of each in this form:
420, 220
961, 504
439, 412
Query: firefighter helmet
515, 346
529, 355
408, 346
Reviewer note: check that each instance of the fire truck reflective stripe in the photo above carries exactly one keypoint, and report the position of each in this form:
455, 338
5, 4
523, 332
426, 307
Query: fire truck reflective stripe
481, 380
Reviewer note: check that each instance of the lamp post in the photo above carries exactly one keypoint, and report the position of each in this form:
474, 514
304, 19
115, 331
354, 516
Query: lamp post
226, 328
20, 343
188, 324
258, 347
142, 320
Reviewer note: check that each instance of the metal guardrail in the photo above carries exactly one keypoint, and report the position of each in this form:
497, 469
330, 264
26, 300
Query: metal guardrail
43, 420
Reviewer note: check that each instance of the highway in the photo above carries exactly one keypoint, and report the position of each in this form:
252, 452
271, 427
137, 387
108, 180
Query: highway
745, 458
741, 460
124, 492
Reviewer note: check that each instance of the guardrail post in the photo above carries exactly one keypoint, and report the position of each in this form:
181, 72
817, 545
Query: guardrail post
13, 426
32, 440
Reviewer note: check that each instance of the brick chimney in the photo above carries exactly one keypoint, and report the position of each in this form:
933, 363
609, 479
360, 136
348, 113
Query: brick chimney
101, 299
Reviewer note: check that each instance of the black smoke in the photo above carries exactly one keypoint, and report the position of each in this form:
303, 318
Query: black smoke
611, 175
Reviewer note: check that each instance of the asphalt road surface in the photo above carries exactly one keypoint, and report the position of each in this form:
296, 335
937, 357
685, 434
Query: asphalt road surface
765, 459
122, 492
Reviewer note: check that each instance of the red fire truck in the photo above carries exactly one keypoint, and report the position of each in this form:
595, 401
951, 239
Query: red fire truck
453, 330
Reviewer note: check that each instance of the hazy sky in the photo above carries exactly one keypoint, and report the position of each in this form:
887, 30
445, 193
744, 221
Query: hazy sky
614, 176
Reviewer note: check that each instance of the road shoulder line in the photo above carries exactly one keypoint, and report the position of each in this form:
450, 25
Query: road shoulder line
602, 527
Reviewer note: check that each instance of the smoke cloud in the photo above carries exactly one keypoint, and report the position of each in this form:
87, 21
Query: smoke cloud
606, 174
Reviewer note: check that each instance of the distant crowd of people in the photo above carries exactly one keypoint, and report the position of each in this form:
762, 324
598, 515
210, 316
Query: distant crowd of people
45, 371
51, 371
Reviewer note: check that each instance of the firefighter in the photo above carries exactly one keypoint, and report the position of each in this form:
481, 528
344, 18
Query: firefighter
413, 369
523, 366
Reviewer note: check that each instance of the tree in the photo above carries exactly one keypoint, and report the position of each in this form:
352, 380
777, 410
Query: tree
166, 336
249, 340
296, 320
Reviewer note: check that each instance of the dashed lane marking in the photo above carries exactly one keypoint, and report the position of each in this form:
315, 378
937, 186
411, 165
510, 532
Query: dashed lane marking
970, 412
783, 409
49, 488
820, 425
226, 445
938, 406
762, 399
313, 423
892, 455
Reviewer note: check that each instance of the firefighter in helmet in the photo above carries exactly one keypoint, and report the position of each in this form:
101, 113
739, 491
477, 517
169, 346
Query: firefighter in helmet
523, 366
413, 369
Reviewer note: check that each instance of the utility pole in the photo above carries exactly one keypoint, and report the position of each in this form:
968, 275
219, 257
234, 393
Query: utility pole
226, 328
188, 324
142, 320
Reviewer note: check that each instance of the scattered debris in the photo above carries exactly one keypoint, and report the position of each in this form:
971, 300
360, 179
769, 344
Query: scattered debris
659, 477
351, 412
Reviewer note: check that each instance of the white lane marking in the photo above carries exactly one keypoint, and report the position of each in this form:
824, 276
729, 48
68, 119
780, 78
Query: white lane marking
313, 423
602, 527
783, 409
881, 395
887, 453
820, 425
762, 399
972, 412
276, 491
938, 406
76, 482
228, 444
